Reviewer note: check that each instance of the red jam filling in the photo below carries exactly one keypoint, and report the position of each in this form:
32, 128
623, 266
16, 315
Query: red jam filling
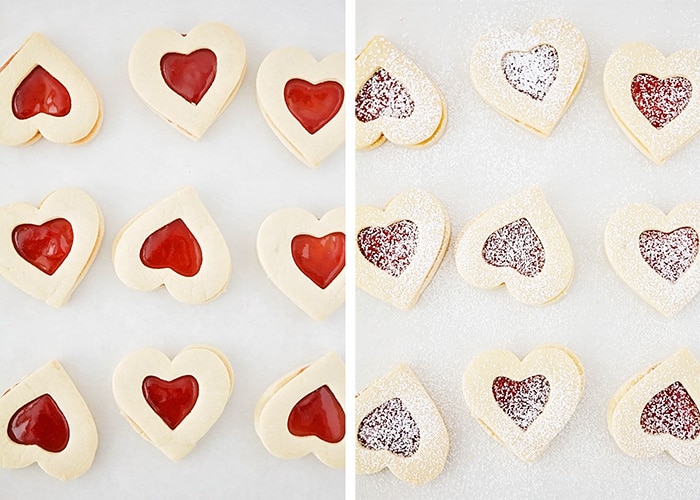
45, 246
318, 414
391, 427
669, 254
532, 72
660, 101
173, 246
40, 92
320, 259
313, 105
171, 400
524, 400
189, 75
389, 248
40, 422
515, 245
383, 95
671, 411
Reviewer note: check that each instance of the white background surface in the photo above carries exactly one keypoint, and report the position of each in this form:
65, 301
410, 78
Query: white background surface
587, 169
242, 173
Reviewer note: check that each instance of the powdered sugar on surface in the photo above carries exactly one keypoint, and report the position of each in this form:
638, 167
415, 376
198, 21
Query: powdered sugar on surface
532, 72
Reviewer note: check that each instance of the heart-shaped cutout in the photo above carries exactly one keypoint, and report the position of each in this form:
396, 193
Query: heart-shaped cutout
660, 101
313, 105
672, 411
189, 75
390, 427
390, 248
320, 259
669, 254
318, 414
383, 95
171, 400
515, 245
44, 246
532, 72
38, 93
523, 400
40, 422
173, 246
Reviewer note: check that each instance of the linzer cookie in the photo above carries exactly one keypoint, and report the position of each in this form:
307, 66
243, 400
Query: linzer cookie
394, 99
175, 244
45, 420
188, 79
398, 427
655, 254
531, 78
524, 404
305, 258
654, 98
520, 244
399, 249
45, 94
656, 411
303, 412
46, 251
302, 102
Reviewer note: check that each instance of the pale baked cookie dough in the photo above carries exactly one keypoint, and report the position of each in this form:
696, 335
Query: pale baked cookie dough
45, 94
301, 100
305, 258
531, 78
176, 226
173, 404
656, 254
47, 250
520, 244
656, 411
654, 99
189, 105
398, 426
399, 248
524, 404
394, 99
304, 412
44, 419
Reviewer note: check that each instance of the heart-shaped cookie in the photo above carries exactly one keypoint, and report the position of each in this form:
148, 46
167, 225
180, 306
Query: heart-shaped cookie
656, 411
45, 94
399, 249
524, 404
305, 258
518, 243
46, 251
175, 244
303, 412
189, 79
302, 101
394, 99
398, 426
45, 420
173, 404
656, 254
531, 78
654, 98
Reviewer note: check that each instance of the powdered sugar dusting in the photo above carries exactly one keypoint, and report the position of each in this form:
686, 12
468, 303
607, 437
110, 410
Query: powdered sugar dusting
532, 72
660, 101
383, 95
389, 248
515, 245
669, 254
672, 411
390, 427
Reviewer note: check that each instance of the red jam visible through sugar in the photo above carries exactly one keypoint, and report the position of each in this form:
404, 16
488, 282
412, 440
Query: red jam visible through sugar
391, 427
383, 95
660, 101
318, 414
671, 411
42, 423
171, 400
515, 245
320, 259
524, 400
173, 246
669, 254
45, 246
189, 75
532, 72
313, 105
389, 248
40, 92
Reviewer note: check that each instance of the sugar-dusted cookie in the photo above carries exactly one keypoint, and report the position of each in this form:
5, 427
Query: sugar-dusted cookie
44, 419
656, 411
302, 102
173, 404
46, 251
531, 78
656, 254
177, 244
399, 248
654, 99
303, 412
43, 93
518, 243
398, 427
188, 79
305, 258
394, 99
524, 404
